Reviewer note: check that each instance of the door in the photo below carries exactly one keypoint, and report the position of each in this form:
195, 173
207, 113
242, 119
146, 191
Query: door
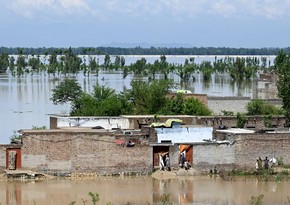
156, 151
13, 158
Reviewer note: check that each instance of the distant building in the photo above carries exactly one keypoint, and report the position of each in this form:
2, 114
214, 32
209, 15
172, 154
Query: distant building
264, 87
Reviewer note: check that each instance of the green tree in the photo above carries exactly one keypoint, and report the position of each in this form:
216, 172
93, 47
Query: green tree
149, 97
107, 61
281, 68
21, 64
260, 107
12, 65
139, 66
53, 63
193, 106
93, 65
4, 62
34, 63
72, 62
241, 120
67, 91
103, 101
174, 105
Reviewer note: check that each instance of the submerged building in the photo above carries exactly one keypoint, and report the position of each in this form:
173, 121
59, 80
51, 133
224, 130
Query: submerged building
130, 144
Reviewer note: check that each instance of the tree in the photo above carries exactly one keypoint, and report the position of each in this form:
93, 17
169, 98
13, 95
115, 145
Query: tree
149, 97
4, 62
193, 106
72, 62
107, 61
67, 91
281, 68
259, 107
103, 101
174, 105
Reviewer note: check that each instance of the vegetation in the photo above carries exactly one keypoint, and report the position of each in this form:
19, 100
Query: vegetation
95, 197
257, 200
62, 62
281, 68
241, 120
143, 98
260, 107
147, 51
165, 200
67, 91
38, 128
16, 137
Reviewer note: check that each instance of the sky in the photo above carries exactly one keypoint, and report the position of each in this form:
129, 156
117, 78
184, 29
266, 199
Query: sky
130, 23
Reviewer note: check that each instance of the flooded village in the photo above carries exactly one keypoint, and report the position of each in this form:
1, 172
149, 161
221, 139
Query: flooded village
122, 147
105, 146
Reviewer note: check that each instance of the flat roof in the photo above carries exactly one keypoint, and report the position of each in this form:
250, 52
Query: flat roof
236, 131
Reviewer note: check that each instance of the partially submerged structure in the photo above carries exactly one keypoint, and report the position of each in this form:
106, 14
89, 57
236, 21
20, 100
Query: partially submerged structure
97, 145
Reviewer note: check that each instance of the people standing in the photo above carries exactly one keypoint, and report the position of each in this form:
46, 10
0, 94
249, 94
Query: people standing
266, 163
257, 165
260, 164
161, 163
182, 159
167, 163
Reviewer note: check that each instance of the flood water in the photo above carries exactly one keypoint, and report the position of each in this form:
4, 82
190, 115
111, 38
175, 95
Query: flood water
144, 190
25, 100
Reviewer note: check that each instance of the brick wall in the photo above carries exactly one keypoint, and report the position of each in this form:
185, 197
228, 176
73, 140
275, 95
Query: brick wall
242, 154
251, 146
206, 156
63, 152
92, 151
255, 122
2, 157
201, 97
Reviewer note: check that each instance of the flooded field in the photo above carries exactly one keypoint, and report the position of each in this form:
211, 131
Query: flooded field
143, 190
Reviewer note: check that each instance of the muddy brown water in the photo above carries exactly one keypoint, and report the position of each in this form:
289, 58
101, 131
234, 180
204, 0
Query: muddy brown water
143, 190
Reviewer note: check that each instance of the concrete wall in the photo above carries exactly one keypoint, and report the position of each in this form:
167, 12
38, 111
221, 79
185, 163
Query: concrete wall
105, 122
63, 152
183, 134
233, 104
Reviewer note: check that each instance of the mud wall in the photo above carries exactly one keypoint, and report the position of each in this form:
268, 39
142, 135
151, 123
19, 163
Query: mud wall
2, 157
64, 152
249, 147
208, 156
242, 153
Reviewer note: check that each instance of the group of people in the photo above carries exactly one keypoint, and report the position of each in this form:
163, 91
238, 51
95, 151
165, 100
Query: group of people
164, 164
260, 164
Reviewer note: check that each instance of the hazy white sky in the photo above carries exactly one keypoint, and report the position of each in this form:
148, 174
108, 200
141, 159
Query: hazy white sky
92, 23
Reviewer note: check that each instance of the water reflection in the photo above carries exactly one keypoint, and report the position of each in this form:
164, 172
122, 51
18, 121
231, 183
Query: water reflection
143, 190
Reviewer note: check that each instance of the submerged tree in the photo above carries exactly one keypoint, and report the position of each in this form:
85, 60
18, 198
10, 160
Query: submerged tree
4, 62
67, 91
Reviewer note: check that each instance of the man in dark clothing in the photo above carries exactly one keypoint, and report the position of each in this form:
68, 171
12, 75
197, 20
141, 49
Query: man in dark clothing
266, 163
182, 160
